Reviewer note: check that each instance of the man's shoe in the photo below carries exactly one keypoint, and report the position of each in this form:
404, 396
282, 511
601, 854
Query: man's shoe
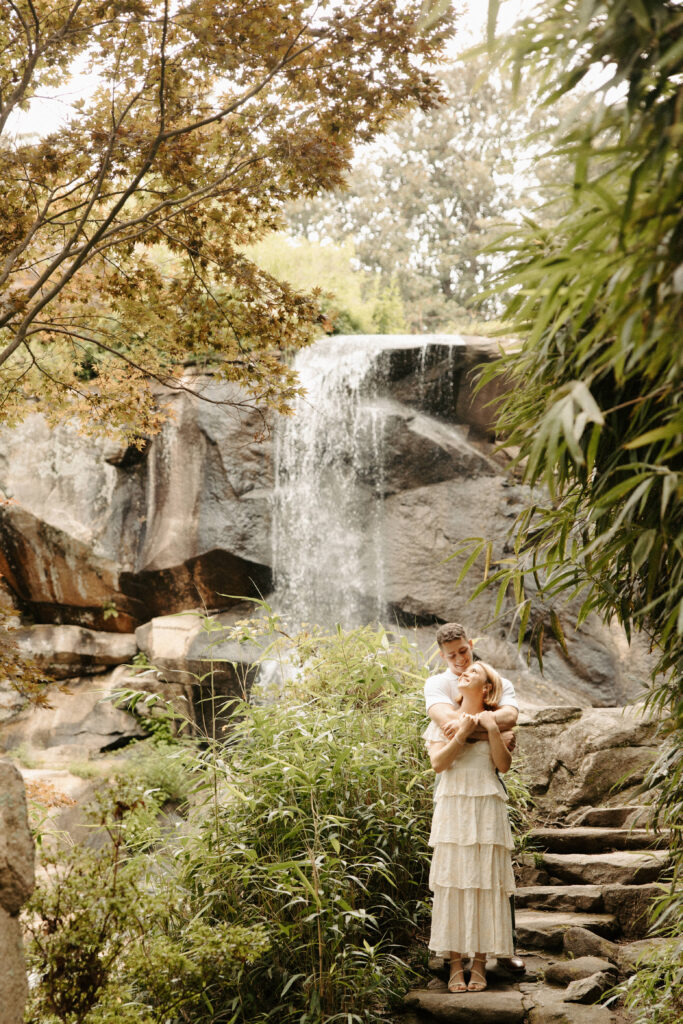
512, 963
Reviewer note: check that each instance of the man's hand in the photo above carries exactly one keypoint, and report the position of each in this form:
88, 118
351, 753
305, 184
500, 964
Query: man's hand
510, 740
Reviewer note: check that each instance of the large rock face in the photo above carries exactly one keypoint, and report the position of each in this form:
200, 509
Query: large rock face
578, 758
106, 538
16, 885
91, 530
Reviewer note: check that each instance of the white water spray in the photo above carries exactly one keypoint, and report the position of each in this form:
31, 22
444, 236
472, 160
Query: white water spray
328, 544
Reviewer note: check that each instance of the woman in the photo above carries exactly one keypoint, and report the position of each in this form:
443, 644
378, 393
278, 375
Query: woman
471, 874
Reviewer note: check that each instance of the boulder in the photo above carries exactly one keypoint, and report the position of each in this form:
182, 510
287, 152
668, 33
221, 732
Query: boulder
16, 885
546, 1006
588, 990
185, 648
67, 651
439, 379
88, 534
564, 972
198, 654
580, 942
578, 757
79, 722
415, 450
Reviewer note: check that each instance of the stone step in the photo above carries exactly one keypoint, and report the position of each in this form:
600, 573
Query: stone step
630, 904
572, 898
626, 867
544, 929
534, 1003
494, 1006
624, 816
588, 839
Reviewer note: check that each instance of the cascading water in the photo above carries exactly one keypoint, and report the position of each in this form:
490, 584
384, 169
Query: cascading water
327, 524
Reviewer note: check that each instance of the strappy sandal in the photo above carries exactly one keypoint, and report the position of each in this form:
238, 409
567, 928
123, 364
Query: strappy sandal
478, 975
456, 981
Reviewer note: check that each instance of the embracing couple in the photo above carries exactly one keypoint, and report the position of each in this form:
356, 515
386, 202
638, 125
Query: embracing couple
469, 739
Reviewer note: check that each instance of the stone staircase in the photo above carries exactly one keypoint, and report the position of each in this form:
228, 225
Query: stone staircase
583, 895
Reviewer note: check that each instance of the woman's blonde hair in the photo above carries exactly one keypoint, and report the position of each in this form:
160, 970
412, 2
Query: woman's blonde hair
493, 687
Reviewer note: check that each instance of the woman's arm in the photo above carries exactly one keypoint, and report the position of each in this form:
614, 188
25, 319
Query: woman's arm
502, 758
442, 755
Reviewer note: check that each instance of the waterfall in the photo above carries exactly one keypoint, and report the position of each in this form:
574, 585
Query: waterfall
328, 543
327, 557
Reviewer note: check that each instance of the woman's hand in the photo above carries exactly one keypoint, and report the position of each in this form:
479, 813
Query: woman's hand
487, 720
468, 723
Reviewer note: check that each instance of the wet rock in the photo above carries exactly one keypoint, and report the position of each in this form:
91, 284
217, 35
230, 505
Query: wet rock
68, 651
440, 380
415, 450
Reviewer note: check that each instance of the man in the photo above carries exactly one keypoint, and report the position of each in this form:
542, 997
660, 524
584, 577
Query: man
442, 699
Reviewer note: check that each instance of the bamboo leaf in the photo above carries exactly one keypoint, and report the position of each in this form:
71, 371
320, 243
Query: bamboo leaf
558, 632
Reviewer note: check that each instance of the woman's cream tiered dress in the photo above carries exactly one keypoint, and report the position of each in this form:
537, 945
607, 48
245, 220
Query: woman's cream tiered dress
471, 874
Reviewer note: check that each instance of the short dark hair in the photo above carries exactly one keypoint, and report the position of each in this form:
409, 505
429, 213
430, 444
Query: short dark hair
450, 631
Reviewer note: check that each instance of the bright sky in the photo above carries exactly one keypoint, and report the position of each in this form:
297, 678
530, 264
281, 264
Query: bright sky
49, 111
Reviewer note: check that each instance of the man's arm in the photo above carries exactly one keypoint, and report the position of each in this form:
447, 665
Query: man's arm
506, 717
446, 716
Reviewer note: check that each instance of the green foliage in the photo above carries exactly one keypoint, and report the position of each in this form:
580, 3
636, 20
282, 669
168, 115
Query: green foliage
297, 889
353, 300
594, 393
162, 769
204, 118
320, 834
654, 994
421, 204
111, 944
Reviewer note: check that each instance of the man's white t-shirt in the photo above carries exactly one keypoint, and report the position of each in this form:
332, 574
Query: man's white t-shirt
443, 689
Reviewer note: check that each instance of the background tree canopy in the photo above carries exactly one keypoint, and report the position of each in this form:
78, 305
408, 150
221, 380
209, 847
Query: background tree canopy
122, 242
422, 203
594, 393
